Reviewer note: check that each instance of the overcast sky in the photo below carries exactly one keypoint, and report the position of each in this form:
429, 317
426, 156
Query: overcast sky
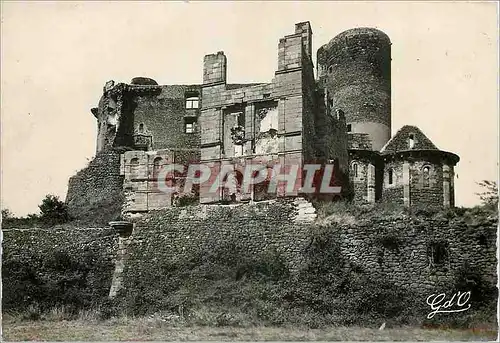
56, 57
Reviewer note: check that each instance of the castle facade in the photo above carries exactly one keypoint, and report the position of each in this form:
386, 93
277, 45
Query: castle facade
341, 116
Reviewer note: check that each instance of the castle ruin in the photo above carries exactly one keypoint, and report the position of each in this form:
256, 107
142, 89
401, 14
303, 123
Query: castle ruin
341, 116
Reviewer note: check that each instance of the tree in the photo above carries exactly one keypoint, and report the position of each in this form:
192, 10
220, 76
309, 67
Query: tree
6, 214
53, 211
489, 196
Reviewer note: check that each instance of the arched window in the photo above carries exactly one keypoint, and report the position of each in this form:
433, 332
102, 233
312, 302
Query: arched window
355, 169
426, 171
141, 128
390, 176
156, 166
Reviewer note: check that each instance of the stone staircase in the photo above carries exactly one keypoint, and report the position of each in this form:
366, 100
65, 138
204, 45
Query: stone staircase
306, 211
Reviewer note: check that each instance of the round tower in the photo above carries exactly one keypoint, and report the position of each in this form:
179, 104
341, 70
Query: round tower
355, 69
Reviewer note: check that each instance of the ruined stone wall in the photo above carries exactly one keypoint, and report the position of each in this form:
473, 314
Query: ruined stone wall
179, 233
359, 180
423, 188
310, 107
232, 119
393, 193
96, 191
426, 193
163, 112
359, 141
331, 136
407, 251
419, 253
414, 252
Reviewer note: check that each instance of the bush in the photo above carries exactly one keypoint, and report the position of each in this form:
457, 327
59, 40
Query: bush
44, 269
53, 211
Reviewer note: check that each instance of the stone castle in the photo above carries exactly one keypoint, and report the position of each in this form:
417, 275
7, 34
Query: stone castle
341, 116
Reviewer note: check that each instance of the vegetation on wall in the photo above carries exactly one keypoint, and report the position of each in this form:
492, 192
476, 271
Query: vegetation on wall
489, 195
47, 268
233, 281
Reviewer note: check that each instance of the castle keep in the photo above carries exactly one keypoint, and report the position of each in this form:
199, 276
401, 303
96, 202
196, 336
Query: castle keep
340, 116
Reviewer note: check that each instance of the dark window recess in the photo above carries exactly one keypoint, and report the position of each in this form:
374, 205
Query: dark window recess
482, 240
189, 125
241, 119
156, 166
349, 128
355, 169
437, 253
390, 176
411, 141
192, 100
426, 176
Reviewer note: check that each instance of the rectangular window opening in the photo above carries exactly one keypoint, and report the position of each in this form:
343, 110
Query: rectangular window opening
189, 125
437, 253
192, 100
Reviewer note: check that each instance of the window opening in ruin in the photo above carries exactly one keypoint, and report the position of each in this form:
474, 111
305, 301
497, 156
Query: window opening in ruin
141, 128
192, 100
412, 141
482, 240
390, 175
233, 182
241, 119
426, 176
330, 69
189, 125
355, 169
349, 128
437, 253
156, 166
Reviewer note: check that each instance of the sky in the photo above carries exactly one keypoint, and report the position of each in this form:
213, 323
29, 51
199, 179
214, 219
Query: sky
57, 56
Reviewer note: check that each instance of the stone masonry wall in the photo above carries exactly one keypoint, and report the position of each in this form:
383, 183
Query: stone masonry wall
96, 188
397, 248
423, 194
163, 116
418, 253
359, 181
393, 193
355, 67
403, 249
180, 233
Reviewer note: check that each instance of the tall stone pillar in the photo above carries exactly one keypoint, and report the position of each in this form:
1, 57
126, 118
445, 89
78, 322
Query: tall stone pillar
370, 179
124, 229
446, 186
406, 184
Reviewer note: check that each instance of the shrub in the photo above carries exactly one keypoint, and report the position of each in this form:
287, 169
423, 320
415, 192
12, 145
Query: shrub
53, 211
44, 269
